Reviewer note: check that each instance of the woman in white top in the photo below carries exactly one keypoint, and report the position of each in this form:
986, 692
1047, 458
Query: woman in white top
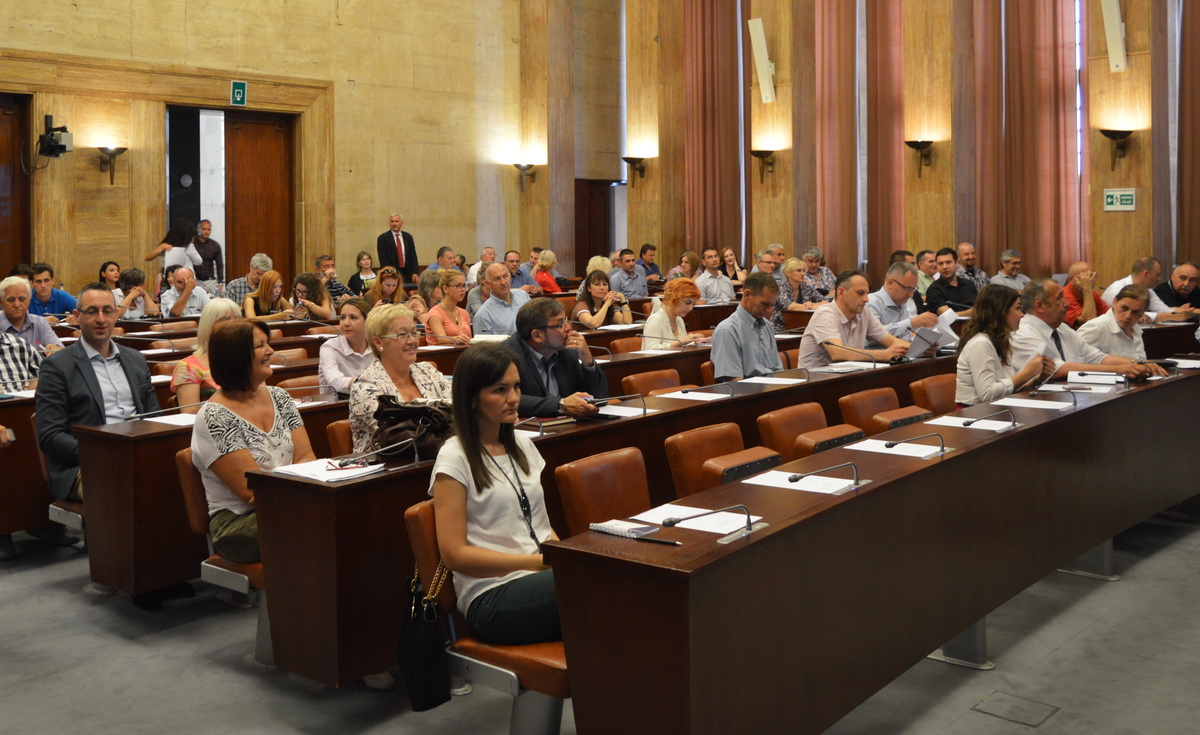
490, 508
1119, 332
665, 329
984, 372
347, 355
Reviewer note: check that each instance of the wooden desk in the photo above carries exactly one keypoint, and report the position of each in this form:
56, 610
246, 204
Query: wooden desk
791, 628
335, 556
137, 528
1164, 340
708, 316
24, 500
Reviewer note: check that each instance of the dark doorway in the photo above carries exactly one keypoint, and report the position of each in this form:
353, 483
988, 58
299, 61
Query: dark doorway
593, 220
14, 183
183, 164
258, 190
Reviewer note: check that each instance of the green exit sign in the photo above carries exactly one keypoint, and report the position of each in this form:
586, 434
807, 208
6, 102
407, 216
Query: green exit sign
1120, 200
237, 94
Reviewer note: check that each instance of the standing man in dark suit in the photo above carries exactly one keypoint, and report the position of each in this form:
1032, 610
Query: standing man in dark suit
558, 374
397, 249
92, 382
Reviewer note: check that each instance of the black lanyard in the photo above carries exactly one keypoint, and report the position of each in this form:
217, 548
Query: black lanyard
522, 498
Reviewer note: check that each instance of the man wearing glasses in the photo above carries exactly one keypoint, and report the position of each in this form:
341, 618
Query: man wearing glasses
558, 374
893, 303
92, 382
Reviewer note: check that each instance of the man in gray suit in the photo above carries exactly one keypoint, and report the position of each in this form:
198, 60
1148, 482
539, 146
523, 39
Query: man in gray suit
92, 382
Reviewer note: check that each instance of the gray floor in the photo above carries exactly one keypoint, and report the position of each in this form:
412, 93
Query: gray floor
1077, 656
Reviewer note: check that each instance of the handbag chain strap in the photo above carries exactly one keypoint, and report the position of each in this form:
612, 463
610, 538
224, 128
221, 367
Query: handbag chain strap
428, 602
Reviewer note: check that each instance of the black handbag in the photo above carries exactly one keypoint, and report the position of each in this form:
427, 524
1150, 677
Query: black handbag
429, 422
422, 648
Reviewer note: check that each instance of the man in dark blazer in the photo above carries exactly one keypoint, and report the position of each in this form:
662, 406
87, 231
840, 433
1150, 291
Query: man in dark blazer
92, 382
558, 374
389, 253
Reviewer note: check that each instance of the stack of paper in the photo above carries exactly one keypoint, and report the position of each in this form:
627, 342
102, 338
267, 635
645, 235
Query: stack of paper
722, 523
326, 470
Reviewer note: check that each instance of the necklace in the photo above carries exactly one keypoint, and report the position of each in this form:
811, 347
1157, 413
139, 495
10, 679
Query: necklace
522, 498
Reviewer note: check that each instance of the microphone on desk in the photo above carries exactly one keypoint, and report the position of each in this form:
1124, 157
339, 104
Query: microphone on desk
749, 528
964, 306
941, 441
354, 458
801, 475
1011, 415
725, 384
144, 414
793, 330
601, 402
532, 420
807, 375
831, 343
1039, 392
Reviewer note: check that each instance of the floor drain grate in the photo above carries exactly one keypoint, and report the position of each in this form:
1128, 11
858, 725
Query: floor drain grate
1015, 709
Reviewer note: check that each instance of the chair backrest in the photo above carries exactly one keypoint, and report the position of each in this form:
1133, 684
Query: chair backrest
625, 344
275, 334
311, 382
193, 492
688, 450
647, 307
779, 429
293, 355
602, 487
785, 360
792, 358
175, 343
859, 408
341, 442
643, 383
118, 331
163, 368
38, 448
935, 393
422, 534
708, 373
322, 330
174, 326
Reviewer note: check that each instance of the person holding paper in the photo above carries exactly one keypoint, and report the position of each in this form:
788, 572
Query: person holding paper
743, 344
847, 321
986, 371
558, 374
665, 330
490, 507
1042, 330
1119, 331
893, 303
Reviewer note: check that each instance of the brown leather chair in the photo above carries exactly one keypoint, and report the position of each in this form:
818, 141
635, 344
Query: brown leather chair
625, 344
274, 334
798, 431
240, 578
163, 368
67, 511
174, 343
651, 380
341, 442
292, 355
310, 382
173, 326
647, 306
792, 360
708, 372
602, 487
537, 673
322, 330
118, 331
878, 410
699, 457
935, 393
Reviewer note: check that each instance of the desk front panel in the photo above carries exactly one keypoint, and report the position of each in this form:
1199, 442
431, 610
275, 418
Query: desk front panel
24, 500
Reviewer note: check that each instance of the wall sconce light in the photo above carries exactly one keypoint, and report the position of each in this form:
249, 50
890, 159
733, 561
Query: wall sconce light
526, 173
1120, 143
766, 162
635, 164
108, 162
924, 154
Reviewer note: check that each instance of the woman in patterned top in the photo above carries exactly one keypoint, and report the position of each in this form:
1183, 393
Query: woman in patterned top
819, 281
794, 293
393, 336
245, 426
192, 380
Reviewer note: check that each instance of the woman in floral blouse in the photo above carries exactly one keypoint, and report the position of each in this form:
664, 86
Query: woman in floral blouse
818, 280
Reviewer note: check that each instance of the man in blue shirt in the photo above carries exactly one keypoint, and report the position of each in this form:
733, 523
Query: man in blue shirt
743, 343
629, 278
646, 261
521, 280
47, 300
498, 315
445, 260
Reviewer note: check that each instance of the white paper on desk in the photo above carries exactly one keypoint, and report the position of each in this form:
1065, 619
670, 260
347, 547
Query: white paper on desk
159, 379
812, 483
68, 340
325, 335
663, 512
1061, 388
770, 380
907, 449
1089, 378
694, 396
793, 335
862, 365
524, 432
600, 359
175, 419
143, 334
1185, 364
157, 351
319, 469
840, 367
944, 325
435, 348
722, 523
957, 422
23, 393
623, 411
656, 352
1026, 403
618, 327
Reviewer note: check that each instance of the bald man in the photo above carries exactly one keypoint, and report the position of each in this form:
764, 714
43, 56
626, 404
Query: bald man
1181, 289
1081, 309
184, 298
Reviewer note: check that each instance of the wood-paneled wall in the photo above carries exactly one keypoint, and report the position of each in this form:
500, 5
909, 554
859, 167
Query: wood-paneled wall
771, 129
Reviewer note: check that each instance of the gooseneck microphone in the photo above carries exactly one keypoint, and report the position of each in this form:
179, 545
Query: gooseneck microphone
1039, 392
532, 420
831, 343
354, 458
941, 441
1011, 415
601, 402
727, 384
801, 475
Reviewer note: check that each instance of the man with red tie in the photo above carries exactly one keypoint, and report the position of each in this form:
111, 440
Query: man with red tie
397, 249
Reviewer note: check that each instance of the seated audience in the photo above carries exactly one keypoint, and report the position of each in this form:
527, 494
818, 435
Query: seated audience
478, 295
985, 369
597, 305
429, 293
1181, 289
729, 266
185, 297
543, 272
135, 302
791, 293
645, 261
16, 320
347, 355
498, 315
847, 323
926, 271
445, 260
449, 323
665, 330
598, 263
743, 344
490, 508
950, 291
487, 256
386, 289
19, 363
901, 256
393, 336
239, 288
326, 273
192, 381
715, 287
966, 266
1119, 331
521, 280
818, 279
629, 278
1010, 271
245, 426
534, 254
558, 373
689, 266
47, 301
267, 302
893, 304
364, 278
1081, 279
110, 276
310, 298
1147, 272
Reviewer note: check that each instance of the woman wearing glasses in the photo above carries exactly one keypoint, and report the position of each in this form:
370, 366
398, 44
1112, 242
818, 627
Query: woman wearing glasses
490, 509
393, 336
448, 323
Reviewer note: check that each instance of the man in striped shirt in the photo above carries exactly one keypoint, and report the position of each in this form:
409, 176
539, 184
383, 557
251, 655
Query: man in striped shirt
19, 363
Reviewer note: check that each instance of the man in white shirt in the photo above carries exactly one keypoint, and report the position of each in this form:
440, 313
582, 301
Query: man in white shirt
846, 322
1010, 271
498, 315
1042, 327
893, 303
487, 256
184, 298
1147, 272
715, 287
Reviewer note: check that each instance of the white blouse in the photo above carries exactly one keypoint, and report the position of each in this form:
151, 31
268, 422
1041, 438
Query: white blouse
658, 335
1104, 334
340, 364
982, 377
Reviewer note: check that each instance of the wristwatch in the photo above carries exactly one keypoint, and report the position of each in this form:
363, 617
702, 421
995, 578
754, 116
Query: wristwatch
562, 406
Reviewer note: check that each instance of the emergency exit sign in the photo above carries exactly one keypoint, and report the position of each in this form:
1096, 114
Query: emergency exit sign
1120, 200
237, 94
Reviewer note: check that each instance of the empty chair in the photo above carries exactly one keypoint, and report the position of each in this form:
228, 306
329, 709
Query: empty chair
602, 487
935, 393
67, 511
708, 373
163, 368
174, 343
652, 382
791, 358
535, 674
173, 326
647, 306
328, 329
287, 357
798, 431
275, 334
625, 344
341, 442
698, 458
785, 360
878, 410
305, 385
217, 570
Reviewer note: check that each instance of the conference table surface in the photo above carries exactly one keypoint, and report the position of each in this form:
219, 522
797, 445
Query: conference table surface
791, 627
